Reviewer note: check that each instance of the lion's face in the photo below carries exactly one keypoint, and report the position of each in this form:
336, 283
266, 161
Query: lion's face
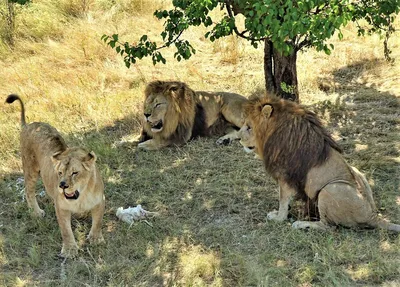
74, 168
247, 139
155, 110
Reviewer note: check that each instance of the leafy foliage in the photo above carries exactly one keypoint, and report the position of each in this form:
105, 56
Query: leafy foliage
289, 25
21, 2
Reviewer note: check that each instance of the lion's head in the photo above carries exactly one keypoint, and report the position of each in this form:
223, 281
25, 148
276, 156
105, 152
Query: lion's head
166, 105
247, 139
74, 167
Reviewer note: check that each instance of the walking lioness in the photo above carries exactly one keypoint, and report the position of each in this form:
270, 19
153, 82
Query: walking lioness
70, 177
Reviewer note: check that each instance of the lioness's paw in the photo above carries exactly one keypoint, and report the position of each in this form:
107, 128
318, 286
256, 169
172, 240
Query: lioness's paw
69, 251
96, 239
40, 213
274, 215
224, 141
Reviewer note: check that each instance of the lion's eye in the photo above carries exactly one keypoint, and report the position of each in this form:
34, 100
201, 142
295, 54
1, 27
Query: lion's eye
59, 173
75, 173
157, 105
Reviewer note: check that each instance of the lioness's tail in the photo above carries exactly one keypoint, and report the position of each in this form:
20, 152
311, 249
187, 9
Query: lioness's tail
12, 98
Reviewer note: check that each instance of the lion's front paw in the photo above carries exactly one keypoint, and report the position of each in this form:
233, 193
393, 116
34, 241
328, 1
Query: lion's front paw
125, 144
300, 224
142, 146
69, 251
274, 215
224, 140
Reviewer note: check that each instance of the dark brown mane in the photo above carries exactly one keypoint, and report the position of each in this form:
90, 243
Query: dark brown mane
292, 139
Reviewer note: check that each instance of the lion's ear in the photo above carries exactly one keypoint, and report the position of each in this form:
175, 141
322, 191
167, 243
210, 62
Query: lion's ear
174, 87
55, 158
267, 110
89, 160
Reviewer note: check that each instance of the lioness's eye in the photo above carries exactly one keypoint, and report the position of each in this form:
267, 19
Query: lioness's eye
75, 173
59, 173
157, 105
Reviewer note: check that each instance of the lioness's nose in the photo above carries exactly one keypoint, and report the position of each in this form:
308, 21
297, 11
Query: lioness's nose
147, 115
63, 185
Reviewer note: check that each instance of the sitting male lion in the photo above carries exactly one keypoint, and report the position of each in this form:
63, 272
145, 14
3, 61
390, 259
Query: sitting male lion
300, 154
70, 177
174, 114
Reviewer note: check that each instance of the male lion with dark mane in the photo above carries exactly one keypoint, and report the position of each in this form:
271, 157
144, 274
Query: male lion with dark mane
304, 159
69, 175
174, 114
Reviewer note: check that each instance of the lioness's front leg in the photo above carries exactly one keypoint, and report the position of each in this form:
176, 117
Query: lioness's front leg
69, 246
152, 145
95, 234
285, 195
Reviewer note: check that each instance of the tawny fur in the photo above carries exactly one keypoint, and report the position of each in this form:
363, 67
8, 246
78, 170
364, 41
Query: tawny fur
304, 159
184, 114
70, 177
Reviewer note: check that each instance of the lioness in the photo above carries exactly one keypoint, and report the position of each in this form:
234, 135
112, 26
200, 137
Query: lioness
174, 114
300, 154
70, 177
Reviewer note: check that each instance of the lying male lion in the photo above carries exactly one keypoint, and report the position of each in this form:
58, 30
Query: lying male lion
174, 114
69, 175
300, 154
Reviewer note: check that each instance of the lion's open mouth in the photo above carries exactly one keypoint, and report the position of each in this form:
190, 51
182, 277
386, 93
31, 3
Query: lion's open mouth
157, 127
74, 195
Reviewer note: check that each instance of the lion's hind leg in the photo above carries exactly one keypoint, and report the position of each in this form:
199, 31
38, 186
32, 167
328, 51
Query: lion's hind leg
341, 203
31, 175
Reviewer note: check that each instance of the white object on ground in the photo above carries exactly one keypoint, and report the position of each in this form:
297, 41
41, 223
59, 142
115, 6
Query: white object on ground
130, 214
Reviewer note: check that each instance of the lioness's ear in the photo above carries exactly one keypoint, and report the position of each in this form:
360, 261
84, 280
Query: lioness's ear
90, 159
267, 110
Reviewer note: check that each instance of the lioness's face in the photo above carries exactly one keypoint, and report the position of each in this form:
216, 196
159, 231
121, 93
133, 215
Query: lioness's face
247, 139
155, 109
74, 169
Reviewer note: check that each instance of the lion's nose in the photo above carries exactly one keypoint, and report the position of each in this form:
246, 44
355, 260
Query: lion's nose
147, 115
63, 185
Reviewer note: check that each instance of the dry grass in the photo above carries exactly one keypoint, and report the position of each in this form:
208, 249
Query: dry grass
212, 200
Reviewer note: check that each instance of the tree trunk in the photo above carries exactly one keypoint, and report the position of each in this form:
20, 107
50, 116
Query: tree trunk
280, 73
10, 18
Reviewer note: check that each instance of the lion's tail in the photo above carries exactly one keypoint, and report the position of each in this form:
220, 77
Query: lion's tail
12, 98
388, 226
377, 222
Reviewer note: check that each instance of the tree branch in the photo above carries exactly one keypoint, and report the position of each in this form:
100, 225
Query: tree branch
235, 29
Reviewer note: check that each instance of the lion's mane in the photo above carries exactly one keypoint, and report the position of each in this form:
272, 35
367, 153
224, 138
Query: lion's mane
292, 140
